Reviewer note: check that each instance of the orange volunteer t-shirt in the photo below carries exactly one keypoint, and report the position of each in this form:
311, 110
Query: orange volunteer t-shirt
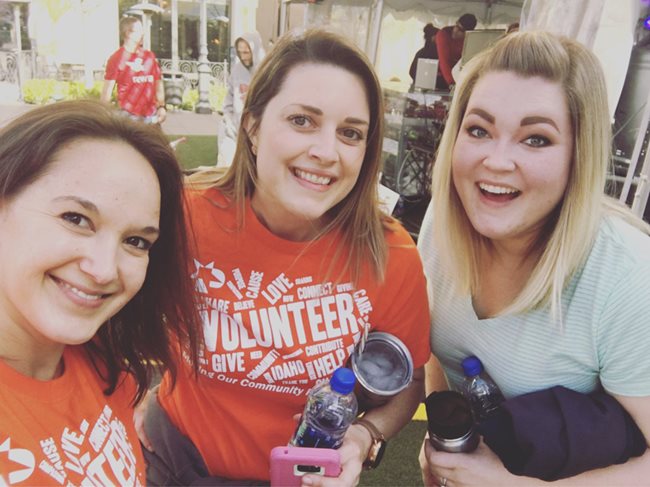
278, 318
65, 431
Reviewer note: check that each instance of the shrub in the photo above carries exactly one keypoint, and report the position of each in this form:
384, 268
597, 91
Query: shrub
216, 95
41, 91
96, 90
38, 91
77, 90
190, 99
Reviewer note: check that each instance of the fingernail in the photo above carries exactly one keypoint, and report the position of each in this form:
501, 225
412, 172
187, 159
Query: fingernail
307, 481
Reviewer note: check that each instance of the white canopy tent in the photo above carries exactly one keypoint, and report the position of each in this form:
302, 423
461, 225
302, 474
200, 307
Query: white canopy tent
488, 12
399, 35
390, 31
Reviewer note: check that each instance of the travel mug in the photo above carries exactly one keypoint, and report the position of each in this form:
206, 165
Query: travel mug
383, 369
450, 422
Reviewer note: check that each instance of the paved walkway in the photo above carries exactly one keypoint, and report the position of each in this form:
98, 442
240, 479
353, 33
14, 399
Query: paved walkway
189, 123
177, 123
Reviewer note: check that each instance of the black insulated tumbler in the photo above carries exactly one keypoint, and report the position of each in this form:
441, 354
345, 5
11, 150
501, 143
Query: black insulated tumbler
450, 422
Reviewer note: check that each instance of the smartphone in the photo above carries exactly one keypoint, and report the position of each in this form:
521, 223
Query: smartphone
290, 463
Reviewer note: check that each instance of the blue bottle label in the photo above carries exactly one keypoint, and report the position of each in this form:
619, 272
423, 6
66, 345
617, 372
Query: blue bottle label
307, 436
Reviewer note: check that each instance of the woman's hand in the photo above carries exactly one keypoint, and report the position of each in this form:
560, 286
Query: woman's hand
479, 468
428, 477
353, 451
139, 414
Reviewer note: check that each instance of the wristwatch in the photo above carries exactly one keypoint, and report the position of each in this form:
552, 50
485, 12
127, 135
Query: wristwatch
377, 447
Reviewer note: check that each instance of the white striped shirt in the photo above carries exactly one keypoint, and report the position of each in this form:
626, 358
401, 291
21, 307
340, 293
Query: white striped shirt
604, 338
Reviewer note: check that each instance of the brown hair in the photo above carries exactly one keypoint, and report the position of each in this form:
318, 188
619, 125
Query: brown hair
139, 336
358, 215
125, 26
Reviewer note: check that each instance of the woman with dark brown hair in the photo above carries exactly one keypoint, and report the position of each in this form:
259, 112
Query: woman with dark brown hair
94, 289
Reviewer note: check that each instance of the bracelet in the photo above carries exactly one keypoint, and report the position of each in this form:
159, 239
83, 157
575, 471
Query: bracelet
161, 106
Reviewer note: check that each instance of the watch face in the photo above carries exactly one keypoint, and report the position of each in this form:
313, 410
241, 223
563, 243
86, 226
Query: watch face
375, 454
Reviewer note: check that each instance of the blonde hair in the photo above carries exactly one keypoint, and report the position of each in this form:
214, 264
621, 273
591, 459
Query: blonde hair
357, 216
570, 232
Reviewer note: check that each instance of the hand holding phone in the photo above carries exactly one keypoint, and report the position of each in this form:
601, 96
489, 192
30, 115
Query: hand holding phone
290, 463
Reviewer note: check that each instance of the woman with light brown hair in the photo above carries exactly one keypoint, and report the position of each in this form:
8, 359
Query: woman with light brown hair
294, 260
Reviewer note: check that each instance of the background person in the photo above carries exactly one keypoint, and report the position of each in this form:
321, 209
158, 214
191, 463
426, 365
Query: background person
293, 258
514, 27
428, 51
449, 42
249, 54
135, 70
92, 263
530, 266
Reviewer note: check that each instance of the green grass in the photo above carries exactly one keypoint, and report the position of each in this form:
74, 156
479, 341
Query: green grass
197, 150
399, 466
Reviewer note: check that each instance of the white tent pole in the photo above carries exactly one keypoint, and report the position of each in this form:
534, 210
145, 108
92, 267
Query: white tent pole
636, 151
376, 14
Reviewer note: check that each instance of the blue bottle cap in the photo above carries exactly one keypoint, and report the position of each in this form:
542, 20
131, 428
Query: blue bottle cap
472, 366
343, 381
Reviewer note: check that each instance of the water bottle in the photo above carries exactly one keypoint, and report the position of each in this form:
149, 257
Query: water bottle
479, 389
331, 408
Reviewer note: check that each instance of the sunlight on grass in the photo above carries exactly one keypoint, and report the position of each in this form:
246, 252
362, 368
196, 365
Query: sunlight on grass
197, 150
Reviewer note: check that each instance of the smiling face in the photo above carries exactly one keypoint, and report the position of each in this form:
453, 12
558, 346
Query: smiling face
512, 157
310, 146
74, 247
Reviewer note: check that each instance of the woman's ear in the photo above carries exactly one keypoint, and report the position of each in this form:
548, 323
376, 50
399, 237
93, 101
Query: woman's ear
249, 126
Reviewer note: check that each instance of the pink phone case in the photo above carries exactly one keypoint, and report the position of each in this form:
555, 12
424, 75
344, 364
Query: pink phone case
290, 463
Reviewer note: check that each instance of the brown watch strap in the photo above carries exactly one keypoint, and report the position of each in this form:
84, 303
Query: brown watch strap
375, 434
376, 451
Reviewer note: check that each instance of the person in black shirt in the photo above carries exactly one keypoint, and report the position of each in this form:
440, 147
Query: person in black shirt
429, 50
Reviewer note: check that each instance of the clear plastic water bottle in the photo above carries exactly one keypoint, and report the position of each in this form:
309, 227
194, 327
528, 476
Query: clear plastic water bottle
479, 389
331, 408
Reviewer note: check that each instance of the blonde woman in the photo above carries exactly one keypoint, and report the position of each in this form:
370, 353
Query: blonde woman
531, 267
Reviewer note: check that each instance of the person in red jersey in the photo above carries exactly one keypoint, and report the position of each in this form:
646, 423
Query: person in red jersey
135, 70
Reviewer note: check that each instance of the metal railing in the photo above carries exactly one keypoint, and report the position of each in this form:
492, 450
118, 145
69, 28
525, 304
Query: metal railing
189, 71
9, 65
33, 67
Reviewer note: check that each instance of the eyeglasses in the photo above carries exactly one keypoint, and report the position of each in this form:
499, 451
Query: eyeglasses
460, 27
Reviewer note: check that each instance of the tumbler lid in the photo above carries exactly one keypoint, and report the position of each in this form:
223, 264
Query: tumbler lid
449, 415
343, 380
